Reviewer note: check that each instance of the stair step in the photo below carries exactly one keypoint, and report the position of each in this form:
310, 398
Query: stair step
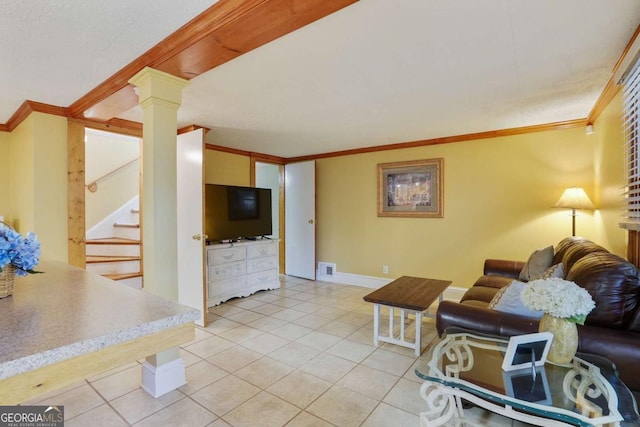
113, 241
93, 259
122, 276
126, 225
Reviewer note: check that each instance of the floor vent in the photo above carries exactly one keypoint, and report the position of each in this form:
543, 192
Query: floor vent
326, 268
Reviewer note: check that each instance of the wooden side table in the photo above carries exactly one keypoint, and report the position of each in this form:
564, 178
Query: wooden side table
415, 294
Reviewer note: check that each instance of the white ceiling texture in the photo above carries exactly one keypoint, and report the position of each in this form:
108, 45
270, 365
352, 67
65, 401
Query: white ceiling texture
374, 73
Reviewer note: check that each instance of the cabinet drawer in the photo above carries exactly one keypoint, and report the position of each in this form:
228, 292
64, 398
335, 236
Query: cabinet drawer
221, 256
261, 264
264, 250
269, 276
227, 286
225, 271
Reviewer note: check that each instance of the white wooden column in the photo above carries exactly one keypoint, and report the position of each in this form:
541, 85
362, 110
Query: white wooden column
160, 95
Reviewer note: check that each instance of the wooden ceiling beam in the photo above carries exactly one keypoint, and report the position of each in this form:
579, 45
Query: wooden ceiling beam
223, 32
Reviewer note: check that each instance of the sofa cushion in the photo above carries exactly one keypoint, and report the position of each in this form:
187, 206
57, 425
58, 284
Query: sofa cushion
538, 262
614, 284
577, 251
565, 244
507, 300
480, 294
556, 271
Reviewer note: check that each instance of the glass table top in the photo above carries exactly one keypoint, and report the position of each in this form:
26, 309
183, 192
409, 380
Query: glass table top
584, 393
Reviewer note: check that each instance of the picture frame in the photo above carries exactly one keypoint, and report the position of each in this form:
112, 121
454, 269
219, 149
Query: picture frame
527, 351
411, 189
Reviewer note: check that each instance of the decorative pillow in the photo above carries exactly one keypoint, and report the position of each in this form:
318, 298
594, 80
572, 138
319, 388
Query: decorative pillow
537, 263
509, 301
556, 271
497, 297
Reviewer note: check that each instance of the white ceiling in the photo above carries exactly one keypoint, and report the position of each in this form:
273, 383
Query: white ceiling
57, 51
377, 72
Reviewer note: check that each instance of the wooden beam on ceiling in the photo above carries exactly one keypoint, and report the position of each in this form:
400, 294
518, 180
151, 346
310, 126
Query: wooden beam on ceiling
223, 32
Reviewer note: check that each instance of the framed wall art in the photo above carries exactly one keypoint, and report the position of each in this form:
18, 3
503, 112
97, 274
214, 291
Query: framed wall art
411, 189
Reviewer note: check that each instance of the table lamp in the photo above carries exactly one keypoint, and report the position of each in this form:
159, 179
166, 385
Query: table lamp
574, 198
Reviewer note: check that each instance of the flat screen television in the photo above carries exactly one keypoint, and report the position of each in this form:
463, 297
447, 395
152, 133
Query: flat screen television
232, 212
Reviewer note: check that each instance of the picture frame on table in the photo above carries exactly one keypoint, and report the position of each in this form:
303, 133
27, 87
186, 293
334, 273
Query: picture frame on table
527, 351
411, 189
524, 374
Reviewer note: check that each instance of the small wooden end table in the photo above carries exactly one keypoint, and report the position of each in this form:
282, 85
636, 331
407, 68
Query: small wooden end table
415, 294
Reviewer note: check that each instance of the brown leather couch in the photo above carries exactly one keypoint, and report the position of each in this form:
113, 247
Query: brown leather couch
611, 330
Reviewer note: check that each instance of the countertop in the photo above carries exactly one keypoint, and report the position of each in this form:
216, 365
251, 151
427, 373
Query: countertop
66, 312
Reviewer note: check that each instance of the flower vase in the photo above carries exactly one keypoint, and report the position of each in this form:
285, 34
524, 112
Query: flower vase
565, 338
7, 277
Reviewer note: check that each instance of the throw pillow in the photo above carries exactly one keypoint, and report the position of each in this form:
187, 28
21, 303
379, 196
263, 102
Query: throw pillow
537, 263
497, 297
510, 301
556, 271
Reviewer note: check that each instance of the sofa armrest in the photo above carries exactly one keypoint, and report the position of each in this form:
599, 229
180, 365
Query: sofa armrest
503, 267
481, 319
620, 346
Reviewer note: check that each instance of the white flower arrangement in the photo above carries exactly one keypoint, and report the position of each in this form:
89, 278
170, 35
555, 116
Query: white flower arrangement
558, 298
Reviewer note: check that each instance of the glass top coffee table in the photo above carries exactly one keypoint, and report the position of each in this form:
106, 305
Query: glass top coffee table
465, 365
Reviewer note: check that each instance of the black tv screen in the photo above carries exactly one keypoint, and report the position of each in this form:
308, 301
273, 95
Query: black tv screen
232, 212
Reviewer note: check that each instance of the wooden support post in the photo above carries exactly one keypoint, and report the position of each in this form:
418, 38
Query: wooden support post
75, 194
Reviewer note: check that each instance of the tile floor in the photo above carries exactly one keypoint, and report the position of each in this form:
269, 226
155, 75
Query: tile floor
301, 355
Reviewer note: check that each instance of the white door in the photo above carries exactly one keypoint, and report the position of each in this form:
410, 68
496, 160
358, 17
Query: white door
191, 243
300, 219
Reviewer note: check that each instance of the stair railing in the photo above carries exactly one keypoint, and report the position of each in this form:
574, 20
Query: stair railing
93, 185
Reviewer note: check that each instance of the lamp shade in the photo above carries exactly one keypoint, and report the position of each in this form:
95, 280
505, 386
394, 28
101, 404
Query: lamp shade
574, 198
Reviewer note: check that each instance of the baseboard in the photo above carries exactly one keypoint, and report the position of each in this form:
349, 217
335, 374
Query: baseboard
353, 279
453, 293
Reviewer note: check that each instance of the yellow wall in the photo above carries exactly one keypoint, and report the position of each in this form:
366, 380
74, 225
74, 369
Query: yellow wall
4, 174
498, 198
37, 153
609, 177
226, 168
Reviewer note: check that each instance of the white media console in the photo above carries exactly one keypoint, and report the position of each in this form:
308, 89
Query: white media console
241, 269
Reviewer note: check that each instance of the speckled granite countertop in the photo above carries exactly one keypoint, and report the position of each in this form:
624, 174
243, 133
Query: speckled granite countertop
66, 312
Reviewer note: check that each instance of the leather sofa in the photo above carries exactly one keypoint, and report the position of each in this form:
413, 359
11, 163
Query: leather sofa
611, 330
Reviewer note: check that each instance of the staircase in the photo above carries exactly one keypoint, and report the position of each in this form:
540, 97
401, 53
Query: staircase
118, 256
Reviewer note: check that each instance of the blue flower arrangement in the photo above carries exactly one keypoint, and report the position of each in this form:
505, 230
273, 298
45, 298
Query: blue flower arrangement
21, 252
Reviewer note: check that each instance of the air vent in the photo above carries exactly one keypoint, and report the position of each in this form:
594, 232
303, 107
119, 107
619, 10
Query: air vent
326, 268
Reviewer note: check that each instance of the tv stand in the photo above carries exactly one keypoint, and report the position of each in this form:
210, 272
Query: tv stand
241, 269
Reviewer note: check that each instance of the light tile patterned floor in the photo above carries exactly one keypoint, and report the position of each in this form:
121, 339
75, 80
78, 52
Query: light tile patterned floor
301, 355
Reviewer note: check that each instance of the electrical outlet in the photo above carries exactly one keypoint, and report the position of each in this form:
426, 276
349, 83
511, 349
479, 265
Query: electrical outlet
385, 269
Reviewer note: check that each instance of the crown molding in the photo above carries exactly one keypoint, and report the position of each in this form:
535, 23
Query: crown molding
29, 107
448, 139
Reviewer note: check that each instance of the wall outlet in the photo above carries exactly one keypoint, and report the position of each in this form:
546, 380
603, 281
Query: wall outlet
385, 269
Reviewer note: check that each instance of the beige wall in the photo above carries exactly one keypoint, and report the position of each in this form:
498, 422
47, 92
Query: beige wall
609, 177
498, 198
4, 174
37, 201
226, 168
